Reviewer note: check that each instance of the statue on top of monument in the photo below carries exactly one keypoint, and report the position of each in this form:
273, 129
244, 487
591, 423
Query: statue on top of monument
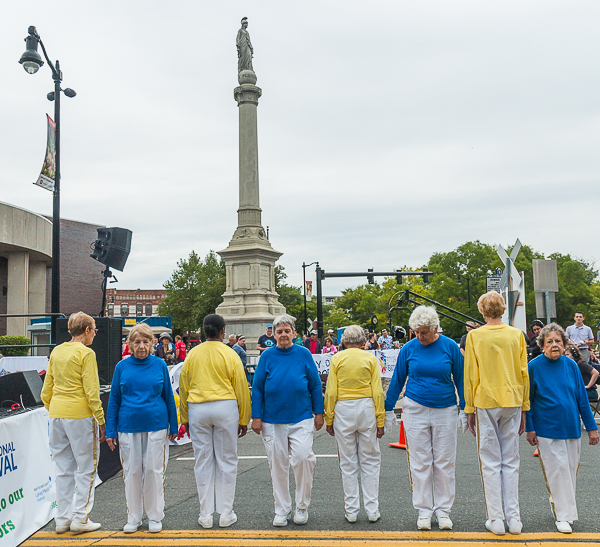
244, 47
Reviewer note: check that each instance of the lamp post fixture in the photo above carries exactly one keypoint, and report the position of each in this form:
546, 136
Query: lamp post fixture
32, 61
459, 279
304, 266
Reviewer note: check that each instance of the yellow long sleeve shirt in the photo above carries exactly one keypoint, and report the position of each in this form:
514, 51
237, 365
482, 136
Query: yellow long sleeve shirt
71, 387
496, 372
213, 372
354, 374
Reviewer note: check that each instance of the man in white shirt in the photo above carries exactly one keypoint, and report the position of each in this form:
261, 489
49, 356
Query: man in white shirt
581, 335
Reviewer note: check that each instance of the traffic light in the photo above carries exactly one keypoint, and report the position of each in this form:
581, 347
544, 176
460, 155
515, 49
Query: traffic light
399, 278
426, 275
370, 278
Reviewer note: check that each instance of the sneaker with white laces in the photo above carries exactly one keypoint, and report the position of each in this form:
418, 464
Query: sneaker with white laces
206, 521
375, 517
444, 522
281, 520
62, 528
495, 526
515, 526
131, 528
227, 520
351, 518
80, 527
154, 526
300, 516
424, 523
563, 527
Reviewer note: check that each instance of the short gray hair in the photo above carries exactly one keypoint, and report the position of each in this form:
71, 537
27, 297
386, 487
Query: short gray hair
424, 316
284, 319
354, 334
552, 327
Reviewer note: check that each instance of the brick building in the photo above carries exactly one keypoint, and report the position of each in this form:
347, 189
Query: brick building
135, 303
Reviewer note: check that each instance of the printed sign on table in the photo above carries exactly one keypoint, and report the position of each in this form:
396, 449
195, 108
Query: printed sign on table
387, 361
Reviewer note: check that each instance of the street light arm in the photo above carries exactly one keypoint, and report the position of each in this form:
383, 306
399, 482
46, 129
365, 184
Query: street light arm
56, 74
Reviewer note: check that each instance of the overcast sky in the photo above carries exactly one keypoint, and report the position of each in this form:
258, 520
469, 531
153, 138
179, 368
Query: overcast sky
387, 130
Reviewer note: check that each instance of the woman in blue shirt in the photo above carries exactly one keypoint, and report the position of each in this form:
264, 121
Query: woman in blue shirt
433, 365
141, 411
558, 398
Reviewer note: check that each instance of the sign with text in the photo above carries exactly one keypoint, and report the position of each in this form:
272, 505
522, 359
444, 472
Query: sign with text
387, 361
48, 174
492, 284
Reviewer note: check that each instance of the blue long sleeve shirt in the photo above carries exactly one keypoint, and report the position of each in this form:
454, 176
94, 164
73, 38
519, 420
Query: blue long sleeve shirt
434, 372
141, 398
558, 397
286, 388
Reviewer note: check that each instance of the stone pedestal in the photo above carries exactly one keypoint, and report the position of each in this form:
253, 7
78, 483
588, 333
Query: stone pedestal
249, 300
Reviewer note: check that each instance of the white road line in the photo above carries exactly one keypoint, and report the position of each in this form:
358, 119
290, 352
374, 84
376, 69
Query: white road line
191, 458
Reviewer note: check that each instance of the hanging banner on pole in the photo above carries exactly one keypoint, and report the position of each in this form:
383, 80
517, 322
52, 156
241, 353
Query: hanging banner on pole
309, 290
48, 174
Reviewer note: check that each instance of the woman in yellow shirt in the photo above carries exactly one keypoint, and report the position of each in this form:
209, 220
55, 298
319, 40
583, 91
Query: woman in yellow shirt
215, 409
355, 415
496, 400
71, 394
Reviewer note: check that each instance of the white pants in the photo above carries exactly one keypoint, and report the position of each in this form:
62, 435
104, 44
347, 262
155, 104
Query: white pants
75, 450
144, 457
355, 427
431, 436
285, 444
213, 429
560, 461
498, 448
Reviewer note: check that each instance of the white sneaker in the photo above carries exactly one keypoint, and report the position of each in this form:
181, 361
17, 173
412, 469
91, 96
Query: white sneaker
495, 526
375, 517
280, 520
206, 521
131, 528
80, 528
515, 526
227, 520
563, 527
154, 526
424, 523
62, 528
301, 516
351, 518
444, 523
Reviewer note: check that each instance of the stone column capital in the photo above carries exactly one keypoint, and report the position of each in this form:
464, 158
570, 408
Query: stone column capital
247, 94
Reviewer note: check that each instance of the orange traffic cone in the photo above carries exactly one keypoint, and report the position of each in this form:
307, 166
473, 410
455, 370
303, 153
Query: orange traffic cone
536, 453
402, 440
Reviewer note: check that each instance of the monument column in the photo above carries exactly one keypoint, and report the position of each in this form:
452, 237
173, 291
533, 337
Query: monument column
250, 300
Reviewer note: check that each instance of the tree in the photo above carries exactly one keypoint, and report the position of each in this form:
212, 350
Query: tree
194, 291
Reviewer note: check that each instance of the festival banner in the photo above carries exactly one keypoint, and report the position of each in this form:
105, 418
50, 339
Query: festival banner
27, 476
387, 359
174, 375
309, 290
48, 174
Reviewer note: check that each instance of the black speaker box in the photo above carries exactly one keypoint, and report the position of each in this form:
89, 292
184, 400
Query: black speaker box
112, 247
27, 385
106, 345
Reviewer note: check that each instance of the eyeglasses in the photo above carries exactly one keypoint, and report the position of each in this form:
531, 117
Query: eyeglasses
553, 342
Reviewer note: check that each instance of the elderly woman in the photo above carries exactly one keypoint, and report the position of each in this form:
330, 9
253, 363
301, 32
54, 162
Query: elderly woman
141, 413
588, 372
433, 365
71, 394
497, 397
166, 349
355, 415
558, 398
285, 394
215, 409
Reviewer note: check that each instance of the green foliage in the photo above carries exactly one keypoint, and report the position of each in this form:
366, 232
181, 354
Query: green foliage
194, 291
15, 341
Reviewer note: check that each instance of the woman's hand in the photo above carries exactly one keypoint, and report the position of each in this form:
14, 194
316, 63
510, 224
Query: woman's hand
257, 425
242, 430
380, 432
102, 433
329, 429
173, 437
112, 443
319, 421
531, 438
471, 423
593, 436
522, 426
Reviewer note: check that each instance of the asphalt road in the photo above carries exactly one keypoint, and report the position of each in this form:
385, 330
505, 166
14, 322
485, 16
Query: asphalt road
254, 498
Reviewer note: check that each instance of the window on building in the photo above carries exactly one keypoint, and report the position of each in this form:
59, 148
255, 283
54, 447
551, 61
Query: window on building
148, 309
111, 310
138, 309
124, 310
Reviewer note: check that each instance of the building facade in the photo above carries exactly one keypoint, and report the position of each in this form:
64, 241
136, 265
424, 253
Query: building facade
136, 302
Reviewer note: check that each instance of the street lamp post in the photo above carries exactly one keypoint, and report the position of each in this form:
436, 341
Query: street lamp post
32, 61
304, 266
